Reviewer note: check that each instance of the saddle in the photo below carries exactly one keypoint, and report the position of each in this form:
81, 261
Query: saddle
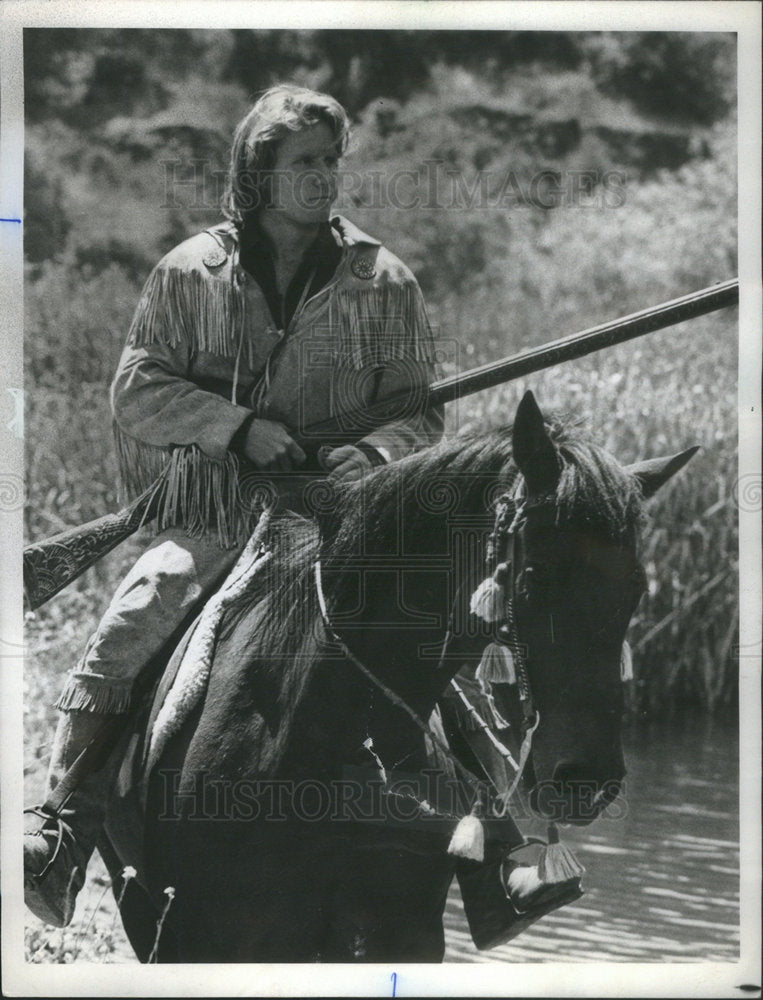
492, 917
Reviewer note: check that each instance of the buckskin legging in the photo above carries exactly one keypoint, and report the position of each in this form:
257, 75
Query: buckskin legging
171, 577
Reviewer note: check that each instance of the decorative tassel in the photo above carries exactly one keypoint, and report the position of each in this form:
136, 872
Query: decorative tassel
489, 599
498, 720
496, 665
626, 663
557, 863
468, 840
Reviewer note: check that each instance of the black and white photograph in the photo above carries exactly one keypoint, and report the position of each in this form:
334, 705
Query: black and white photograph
380, 499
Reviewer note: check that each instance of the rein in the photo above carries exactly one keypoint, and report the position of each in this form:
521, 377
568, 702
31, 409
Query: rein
503, 545
387, 691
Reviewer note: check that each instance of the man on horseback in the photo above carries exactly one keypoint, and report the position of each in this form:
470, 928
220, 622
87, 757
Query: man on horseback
245, 335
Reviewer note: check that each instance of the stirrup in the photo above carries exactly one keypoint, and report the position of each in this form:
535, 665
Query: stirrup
49, 818
493, 917
545, 900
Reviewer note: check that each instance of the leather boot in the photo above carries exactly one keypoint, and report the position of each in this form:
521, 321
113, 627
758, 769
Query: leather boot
57, 847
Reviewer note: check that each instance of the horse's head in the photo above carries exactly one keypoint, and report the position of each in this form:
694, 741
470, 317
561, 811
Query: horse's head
576, 580
570, 519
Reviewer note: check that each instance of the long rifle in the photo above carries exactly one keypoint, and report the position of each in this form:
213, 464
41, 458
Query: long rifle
53, 563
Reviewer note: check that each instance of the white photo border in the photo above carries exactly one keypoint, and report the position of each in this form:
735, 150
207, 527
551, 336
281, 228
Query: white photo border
484, 979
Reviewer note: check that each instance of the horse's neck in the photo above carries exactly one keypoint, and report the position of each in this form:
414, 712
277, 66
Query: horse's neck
415, 581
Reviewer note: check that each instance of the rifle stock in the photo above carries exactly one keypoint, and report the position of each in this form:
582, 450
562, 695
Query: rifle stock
53, 563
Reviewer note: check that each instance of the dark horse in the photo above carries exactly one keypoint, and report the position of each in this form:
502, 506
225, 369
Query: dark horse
240, 816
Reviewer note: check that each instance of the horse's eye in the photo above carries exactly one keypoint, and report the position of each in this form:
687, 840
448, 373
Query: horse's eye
538, 577
638, 577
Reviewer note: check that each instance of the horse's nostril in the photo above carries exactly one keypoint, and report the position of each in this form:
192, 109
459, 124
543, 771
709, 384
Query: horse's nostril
580, 793
572, 772
607, 794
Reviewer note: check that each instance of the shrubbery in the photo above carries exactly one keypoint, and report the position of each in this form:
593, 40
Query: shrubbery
689, 76
496, 280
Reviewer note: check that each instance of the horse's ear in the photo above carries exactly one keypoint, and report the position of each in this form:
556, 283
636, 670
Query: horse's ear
534, 452
655, 472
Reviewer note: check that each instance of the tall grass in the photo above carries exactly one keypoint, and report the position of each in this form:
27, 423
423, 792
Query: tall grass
533, 277
638, 402
496, 281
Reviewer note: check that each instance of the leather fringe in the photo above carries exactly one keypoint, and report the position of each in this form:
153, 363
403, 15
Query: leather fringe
377, 324
195, 492
198, 311
95, 693
140, 465
203, 313
382, 324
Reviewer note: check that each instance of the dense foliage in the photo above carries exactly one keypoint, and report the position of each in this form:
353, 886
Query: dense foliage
633, 139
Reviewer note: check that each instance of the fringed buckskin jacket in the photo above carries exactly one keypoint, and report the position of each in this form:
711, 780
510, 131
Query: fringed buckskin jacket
203, 354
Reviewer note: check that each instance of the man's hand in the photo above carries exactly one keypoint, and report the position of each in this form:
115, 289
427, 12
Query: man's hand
347, 463
271, 448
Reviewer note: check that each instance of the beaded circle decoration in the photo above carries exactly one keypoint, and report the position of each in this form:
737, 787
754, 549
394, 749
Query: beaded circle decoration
363, 267
215, 256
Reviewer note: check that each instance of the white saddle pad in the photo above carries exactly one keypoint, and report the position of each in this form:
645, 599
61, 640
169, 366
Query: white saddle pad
193, 674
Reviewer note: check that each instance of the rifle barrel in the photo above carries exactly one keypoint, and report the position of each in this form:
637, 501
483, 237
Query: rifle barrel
577, 345
51, 564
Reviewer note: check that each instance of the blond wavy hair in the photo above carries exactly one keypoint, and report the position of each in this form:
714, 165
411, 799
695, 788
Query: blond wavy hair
280, 110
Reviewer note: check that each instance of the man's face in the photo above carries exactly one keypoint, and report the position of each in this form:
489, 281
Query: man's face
305, 175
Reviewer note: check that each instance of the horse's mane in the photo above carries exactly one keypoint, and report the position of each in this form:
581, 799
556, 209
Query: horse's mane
594, 494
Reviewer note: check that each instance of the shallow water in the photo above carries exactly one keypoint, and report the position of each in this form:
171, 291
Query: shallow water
662, 872
662, 880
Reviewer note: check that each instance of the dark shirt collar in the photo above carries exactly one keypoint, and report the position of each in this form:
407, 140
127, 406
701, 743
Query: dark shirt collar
253, 238
317, 267
344, 232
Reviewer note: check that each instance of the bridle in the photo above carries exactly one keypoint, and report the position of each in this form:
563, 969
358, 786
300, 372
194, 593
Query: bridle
504, 561
504, 558
503, 548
